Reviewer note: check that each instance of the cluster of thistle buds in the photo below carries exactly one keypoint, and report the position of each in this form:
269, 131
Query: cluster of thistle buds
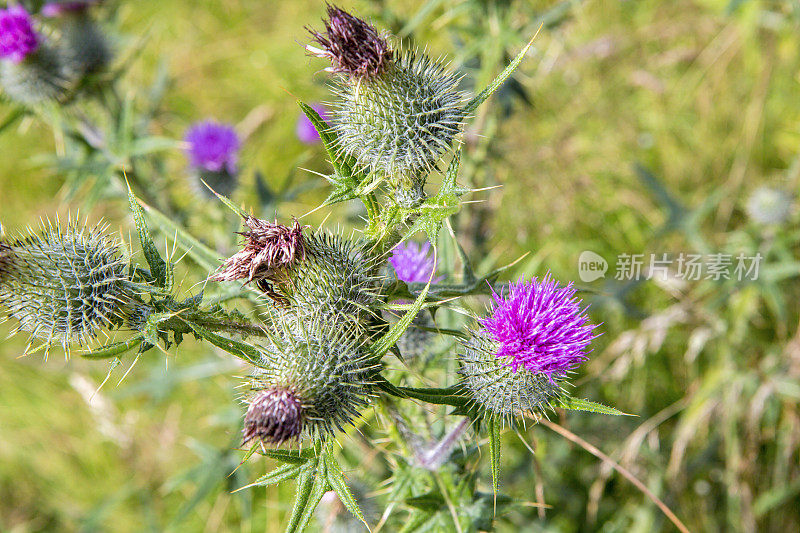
49, 57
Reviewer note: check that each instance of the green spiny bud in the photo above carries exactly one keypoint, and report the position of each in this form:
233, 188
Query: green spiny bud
41, 76
313, 378
65, 286
335, 276
401, 121
83, 44
498, 389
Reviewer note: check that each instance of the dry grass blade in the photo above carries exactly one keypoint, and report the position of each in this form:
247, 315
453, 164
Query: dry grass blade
564, 432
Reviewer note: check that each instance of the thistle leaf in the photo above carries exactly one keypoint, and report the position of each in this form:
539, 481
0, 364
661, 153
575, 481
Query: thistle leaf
201, 254
282, 473
115, 349
385, 343
158, 267
484, 95
337, 483
239, 349
494, 452
576, 404
311, 486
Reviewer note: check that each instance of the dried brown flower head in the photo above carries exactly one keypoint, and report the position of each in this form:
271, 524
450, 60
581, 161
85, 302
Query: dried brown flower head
269, 246
353, 45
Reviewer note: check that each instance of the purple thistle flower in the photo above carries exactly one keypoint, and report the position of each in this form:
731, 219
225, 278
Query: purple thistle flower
305, 130
412, 262
353, 45
274, 416
212, 146
17, 38
56, 9
540, 327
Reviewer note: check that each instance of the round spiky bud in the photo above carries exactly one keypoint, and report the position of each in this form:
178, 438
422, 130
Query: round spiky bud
517, 360
213, 150
275, 415
31, 71
769, 206
321, 365
83, 44
336, 276
65, 286
401, 122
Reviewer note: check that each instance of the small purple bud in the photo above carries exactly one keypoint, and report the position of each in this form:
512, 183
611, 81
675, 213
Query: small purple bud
268, 247
305, 130
413, 263
352, 45
274, 416
17, 38
212, 146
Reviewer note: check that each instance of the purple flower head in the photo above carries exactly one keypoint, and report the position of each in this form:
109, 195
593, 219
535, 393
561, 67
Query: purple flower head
56, 9
212, 146
17, 38
412, 262
540, 327
305, 130
274, 416
352, 45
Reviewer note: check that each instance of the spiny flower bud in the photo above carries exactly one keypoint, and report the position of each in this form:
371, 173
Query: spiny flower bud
336, 276
769, 206
515, 363
275, 415
213, 150
65, 286
352, 45
396, 114
83, 44
31, 70
401, 122
321, 364
269, 246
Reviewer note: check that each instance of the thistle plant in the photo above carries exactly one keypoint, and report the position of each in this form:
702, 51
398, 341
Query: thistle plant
305, 309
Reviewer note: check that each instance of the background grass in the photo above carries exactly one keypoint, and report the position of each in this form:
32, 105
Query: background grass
703, 94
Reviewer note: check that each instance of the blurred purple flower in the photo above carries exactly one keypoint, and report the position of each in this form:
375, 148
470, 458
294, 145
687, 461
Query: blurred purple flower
212, 146
540, 326
305, 130
17, 37
412, 262
56, 9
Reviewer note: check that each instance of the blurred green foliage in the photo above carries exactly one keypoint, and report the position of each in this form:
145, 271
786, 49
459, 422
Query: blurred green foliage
649, 124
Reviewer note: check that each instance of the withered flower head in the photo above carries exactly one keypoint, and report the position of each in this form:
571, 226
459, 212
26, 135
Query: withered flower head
274, 416
269, 247
353, 46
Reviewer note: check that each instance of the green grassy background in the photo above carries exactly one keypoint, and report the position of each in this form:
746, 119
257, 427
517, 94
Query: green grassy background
705, 99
